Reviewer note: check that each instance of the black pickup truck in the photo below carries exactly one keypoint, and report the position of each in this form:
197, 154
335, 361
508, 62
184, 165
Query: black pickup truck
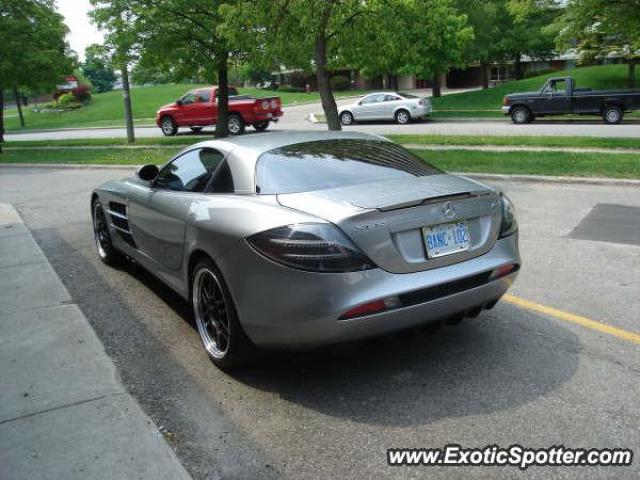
560, 97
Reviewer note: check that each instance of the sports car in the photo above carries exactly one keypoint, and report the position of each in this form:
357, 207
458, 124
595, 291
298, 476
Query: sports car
292, 240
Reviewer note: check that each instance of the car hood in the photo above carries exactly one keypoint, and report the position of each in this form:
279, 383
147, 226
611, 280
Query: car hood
168, 106
522, 94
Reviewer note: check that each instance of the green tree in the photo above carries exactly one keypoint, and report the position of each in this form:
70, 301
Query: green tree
117, 18
33, 51
187, 39
98, 69
598, 29
425, 38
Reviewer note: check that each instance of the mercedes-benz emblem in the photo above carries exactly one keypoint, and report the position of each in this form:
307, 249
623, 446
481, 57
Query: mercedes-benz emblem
448, 210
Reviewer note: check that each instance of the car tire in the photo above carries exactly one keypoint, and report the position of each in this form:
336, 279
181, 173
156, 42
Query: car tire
612, 115
106, 251
521, 115
402, 117
346, 118
216, 318
168, 126
196, 129
235, 124
261, 126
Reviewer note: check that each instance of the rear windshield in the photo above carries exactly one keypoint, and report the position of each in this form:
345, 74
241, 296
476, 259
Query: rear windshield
408, 95
304, 167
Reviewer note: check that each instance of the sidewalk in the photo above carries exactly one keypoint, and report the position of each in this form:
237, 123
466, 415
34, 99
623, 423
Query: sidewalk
63, 411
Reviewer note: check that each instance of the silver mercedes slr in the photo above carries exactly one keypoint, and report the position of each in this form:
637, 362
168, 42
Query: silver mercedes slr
291, 240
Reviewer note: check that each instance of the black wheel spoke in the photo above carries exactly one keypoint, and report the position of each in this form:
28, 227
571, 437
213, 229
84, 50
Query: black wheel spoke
212, 315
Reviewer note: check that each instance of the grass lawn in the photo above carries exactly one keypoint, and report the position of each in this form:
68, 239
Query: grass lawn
536, 163
137, 156
106, 109
598, 77
621, 165
572, 142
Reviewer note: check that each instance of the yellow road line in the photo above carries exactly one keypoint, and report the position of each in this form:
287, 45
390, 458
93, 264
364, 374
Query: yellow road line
570, 317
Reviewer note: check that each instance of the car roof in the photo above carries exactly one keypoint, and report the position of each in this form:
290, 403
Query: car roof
242, 152
258, 143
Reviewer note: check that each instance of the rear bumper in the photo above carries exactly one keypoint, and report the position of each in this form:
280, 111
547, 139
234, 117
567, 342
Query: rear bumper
284, 308
267, 117
419, 112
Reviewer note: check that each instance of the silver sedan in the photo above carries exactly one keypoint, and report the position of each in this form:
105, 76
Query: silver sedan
299, 239
401, 107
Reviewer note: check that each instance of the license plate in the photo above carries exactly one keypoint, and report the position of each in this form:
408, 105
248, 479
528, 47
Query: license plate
445, 239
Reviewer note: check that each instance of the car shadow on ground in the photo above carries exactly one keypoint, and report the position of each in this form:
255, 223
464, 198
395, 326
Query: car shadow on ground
504, 358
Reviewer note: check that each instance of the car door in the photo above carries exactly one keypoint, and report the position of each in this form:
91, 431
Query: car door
159, 215
391, 103
371, 107
556, 98
202, 108
185, 110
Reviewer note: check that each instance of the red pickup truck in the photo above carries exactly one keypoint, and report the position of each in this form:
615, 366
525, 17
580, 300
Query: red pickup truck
199, 108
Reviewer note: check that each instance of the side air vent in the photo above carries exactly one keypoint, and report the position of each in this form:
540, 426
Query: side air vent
119, 221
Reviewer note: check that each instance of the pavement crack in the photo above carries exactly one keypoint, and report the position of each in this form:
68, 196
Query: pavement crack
61, 407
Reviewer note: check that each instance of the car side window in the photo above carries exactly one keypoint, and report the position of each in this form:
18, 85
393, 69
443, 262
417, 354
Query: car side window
188, 98
391, 98
204, 96
373, 99
191, 171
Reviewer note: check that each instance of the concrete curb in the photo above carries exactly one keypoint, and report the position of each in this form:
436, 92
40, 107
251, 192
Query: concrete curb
480, 176
64, 413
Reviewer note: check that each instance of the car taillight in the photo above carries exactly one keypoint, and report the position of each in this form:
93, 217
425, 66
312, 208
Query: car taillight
316, 247
508, 224
421, 102
505, 101
265, 105
274, 103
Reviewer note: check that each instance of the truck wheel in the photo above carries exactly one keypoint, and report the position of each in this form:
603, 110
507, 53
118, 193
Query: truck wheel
168, 126
520, 115
235, 124
612, 115
196, 129
261, 126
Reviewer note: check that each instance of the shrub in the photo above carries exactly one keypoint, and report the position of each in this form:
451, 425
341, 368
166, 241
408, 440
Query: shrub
340, 83
290, 89
66, 99
82, 93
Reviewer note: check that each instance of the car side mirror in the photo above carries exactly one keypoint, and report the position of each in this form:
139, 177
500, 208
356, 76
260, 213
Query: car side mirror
179, 102
148, 173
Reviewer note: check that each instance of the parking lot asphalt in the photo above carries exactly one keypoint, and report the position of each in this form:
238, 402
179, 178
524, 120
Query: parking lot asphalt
513, 375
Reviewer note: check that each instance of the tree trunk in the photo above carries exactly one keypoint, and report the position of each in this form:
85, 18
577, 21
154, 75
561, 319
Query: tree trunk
324, 84
222, 124
1, 118
632, 73
18, 98
518, 64
126, 96
484, 74
435, 85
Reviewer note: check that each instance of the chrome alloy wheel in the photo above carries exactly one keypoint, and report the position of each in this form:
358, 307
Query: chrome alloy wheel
211, 312
521, 116
234, 125
402, 117
167, 126
613, 116
101, 230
